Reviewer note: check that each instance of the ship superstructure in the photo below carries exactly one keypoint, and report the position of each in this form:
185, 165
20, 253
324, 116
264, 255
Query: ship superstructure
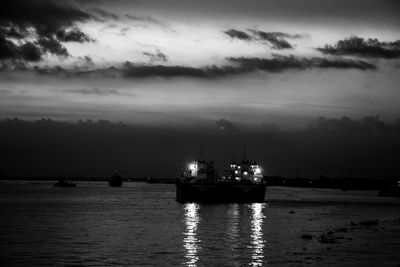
243, 182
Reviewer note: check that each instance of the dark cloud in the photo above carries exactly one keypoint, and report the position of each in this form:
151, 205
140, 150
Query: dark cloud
131, 70
44, 15
158, 56
282, 34
238, 34
363, 47
142, 71
237, 66
13, 32
53, 46
276, 39
279, 63
45, 20
95, 91
224, 124
27, 51
73, 36
30, 52
7, 49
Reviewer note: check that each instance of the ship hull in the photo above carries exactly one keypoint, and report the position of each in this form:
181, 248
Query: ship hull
220, 193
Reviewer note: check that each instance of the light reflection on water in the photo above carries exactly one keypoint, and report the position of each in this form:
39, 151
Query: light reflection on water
191, 242
237, 224
257, 241
233, 226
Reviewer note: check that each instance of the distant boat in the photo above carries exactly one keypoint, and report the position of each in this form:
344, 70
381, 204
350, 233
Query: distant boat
62, 183
243, 183
116, 180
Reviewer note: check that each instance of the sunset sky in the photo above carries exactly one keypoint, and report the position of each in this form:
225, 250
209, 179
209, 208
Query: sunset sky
190, 62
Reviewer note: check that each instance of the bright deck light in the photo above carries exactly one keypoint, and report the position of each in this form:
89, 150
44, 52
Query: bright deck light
192, 166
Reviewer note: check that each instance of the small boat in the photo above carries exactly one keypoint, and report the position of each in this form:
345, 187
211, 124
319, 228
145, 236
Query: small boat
243, 183
62, 183
116, 180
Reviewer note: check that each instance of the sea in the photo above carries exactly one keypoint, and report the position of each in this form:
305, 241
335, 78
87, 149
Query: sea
141, 224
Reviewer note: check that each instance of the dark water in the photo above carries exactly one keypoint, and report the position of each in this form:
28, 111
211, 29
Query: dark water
141, 224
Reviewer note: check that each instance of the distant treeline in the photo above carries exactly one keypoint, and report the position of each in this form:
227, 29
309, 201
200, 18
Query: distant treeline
367, 147
83, 179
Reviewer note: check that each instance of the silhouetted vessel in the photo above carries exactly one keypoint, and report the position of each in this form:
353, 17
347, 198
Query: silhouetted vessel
116, 180
243, 183
62, 183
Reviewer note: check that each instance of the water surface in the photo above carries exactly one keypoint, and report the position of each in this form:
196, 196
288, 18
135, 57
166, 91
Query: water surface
141, 224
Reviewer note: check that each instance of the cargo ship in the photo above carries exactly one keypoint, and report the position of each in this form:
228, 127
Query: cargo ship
242, 183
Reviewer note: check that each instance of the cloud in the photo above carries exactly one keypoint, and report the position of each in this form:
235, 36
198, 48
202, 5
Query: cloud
236, 66
276, 39
43, 20
73, 36
47, 17
238, 34
279, 63
53, 46
27, 51
363, 47
95, 91
131, 70
224, 124
158, 56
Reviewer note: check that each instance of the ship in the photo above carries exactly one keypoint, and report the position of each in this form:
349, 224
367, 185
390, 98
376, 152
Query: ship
242, 183
62, 183
116, 180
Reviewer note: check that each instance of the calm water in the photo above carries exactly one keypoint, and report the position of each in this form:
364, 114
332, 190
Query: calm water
141, 224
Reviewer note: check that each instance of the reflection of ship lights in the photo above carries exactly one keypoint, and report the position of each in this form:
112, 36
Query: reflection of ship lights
190, 241
256, 234
233, 228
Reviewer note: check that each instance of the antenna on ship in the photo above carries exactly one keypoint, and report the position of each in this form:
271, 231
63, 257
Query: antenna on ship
201, 152
245, 152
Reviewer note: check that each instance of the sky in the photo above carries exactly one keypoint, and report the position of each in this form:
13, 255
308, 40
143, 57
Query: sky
217, 65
